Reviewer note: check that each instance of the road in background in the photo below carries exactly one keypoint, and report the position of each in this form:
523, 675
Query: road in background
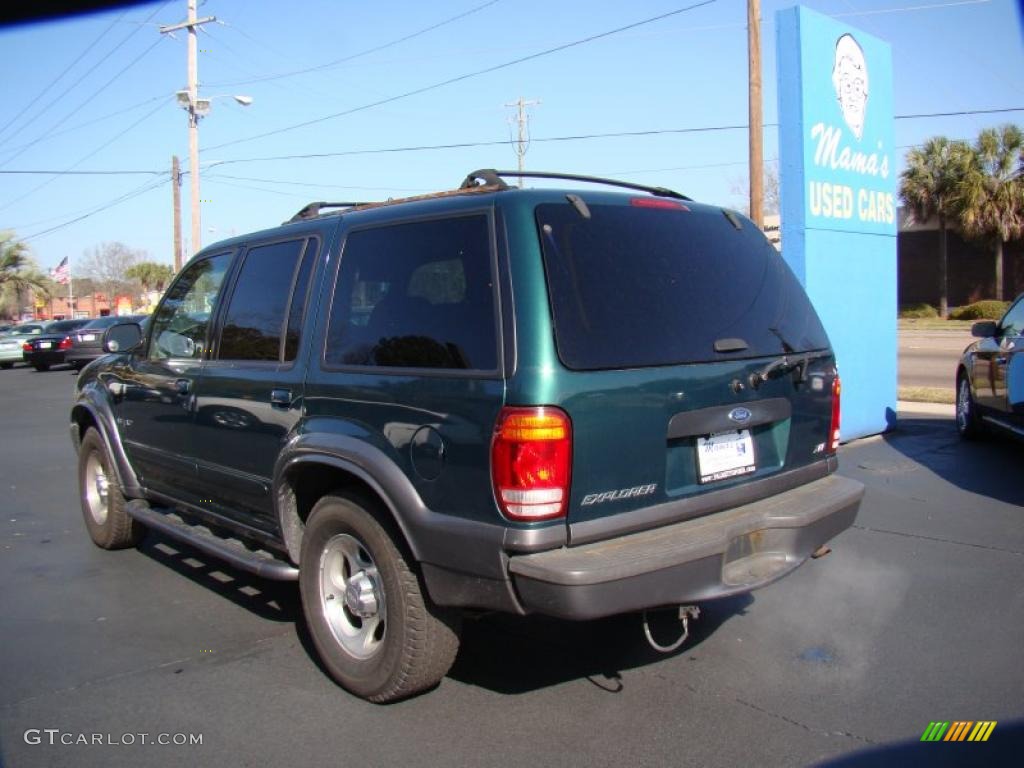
929, 358
916, 616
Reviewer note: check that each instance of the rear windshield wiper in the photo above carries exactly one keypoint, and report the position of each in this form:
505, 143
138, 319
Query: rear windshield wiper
785, 364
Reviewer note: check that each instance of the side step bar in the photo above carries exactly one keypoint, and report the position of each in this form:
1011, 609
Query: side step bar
231, 551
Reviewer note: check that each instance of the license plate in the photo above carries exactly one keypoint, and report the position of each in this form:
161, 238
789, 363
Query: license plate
88, 337
45, 345
724, 455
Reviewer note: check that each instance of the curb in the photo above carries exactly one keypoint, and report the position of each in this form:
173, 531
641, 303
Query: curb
932, 409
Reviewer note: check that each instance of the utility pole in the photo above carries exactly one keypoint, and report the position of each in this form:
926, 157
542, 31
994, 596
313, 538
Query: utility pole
756, 118
196, 109
523, 118
176, 196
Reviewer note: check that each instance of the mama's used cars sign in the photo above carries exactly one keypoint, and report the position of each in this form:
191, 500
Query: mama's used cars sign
838, 173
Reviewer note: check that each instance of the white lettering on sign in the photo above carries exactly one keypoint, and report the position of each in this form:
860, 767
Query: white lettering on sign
828, 154
839, 201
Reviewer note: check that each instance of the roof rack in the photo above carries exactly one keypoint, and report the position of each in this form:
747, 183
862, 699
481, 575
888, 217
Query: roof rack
312, 210
491, 177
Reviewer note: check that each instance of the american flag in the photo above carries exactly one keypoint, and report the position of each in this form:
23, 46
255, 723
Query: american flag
61, 273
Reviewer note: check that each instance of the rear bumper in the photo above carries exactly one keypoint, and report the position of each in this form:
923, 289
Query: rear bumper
722, 554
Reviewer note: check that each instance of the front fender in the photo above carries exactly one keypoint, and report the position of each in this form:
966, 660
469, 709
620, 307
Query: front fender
94, 406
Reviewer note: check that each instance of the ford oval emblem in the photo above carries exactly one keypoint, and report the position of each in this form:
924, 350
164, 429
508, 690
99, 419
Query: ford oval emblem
740, 415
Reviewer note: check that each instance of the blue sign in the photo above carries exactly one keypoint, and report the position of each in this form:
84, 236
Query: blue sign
837, 170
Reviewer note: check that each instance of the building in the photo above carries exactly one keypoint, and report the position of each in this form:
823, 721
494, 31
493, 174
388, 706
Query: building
971, 272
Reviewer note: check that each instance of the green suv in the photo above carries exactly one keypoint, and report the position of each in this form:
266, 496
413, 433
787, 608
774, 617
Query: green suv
571, 403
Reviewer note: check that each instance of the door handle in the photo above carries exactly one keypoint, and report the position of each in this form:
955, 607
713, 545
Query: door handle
281, 398
183, 386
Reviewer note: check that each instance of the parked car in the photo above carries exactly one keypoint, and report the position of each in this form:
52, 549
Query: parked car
11, 343
49, 347
563, 402
990, 377
87, 341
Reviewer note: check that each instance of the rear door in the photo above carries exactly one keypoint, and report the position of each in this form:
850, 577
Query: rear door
250, 394
1008, 365
699, 361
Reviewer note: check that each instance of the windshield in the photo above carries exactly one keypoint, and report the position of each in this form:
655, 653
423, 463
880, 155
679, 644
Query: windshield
635, 286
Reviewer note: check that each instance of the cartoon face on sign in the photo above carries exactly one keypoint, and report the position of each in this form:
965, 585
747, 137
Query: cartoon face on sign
850, 78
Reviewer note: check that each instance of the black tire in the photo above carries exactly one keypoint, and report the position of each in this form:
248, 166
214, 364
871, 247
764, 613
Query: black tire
41, 367
966, 417
400, 643
103, 503
6, 366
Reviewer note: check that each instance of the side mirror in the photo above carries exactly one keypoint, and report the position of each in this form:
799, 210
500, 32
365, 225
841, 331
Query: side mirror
123, 337
985, 329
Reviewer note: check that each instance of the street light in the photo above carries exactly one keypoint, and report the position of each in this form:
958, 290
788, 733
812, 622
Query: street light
198, 108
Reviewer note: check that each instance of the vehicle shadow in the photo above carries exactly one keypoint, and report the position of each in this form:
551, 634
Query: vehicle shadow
988, 466
547, 651
268, 599
513, 655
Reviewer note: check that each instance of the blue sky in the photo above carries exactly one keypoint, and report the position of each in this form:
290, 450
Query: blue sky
96, 93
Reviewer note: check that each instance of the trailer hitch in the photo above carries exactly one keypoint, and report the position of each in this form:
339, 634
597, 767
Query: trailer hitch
686, 612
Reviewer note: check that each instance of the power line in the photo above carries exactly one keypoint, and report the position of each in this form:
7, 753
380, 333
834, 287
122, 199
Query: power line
338, 62
93, 95
83, 159
149, 187
468, 75
58, 78
87, 123
79, 80
475, 144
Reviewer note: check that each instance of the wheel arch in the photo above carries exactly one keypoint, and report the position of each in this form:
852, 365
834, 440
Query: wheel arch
305, 479
92, 411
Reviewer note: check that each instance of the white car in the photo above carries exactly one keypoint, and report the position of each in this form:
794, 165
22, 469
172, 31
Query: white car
10, 342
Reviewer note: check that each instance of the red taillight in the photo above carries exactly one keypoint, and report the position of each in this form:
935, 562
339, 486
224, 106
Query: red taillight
833, 427
531, 456
657, 202
26, 347
65, 343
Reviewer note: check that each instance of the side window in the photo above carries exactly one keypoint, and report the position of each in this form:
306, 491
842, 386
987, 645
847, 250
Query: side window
255, 319
180, 325
1012, 323
417, 295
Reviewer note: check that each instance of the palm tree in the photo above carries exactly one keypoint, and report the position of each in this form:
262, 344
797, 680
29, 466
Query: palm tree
16, 270
929, 186
991, 196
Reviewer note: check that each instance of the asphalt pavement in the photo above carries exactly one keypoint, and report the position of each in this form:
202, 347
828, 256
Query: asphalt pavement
929, 358
916, 616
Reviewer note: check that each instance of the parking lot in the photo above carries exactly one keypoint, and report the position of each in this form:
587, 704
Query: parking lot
916, 616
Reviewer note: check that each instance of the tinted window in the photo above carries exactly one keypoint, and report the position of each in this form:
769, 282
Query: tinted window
63, 326
181, 322
634, 286
416, 295
255, 318
1012, 323
298, 305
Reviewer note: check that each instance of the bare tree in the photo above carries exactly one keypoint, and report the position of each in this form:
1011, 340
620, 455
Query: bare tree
108, 264
741, 188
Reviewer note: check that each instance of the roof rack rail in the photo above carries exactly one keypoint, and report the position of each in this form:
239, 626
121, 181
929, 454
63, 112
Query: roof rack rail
491, 177
312, 210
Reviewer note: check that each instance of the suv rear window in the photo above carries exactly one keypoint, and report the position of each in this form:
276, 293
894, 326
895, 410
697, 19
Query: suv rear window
634, 286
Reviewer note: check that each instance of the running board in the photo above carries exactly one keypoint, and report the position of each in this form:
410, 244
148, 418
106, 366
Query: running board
231, 551
1003, 425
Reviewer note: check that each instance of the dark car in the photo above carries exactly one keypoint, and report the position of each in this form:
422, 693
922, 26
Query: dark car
49, 347
990, 377
575, 403
87, 341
